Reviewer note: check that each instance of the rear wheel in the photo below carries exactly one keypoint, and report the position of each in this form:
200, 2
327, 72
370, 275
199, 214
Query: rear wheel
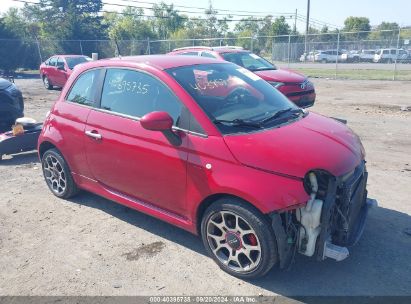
239, 238
57, 174
47, 83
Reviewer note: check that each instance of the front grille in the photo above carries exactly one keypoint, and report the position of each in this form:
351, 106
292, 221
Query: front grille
344, 209
350, 199
301, 93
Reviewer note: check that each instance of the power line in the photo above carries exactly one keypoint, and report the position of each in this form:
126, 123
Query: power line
204, 8
251, 19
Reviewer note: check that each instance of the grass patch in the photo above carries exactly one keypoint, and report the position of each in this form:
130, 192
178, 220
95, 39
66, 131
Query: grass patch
356, 74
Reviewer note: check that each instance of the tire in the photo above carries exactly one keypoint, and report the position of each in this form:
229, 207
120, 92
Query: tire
57, 174
47, 84
243, 228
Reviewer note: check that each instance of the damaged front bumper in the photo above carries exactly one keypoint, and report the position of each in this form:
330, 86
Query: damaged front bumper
329, 223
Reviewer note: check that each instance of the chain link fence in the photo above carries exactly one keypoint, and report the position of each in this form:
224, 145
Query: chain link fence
354, 55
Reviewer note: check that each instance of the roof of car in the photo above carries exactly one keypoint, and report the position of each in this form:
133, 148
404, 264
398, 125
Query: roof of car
219, 49
161, 62
69, 56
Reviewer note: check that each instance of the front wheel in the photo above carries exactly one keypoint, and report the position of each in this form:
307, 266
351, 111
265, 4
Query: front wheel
47, 83
57, 174
239, 238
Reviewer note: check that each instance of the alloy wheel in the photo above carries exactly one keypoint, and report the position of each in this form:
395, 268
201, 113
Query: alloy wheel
233, 241
54, 174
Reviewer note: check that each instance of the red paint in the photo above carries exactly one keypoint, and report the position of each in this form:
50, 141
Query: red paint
56, 76
157, 121
141, 169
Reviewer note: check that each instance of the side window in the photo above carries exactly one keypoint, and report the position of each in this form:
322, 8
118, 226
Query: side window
385, 52
207, 54
83, 91
53, 61
135, 94
60, 62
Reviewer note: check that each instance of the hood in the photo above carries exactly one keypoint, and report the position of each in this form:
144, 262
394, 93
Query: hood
281, 75
314, 142
4, 83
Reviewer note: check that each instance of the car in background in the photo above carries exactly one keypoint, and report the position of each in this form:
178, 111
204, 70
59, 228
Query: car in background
11, 103
327, 56
307, 57
56, 70
391, 55
367, 55
294, 85
350, 56
239, 164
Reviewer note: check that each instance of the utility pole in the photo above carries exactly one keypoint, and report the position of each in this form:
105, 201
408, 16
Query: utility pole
307, 25
295, 22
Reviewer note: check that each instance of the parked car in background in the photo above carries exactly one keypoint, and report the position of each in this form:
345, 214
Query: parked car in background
329, 56
390, 55
258, 178
350, 56
56, 70
11, 103
367, 55
307, 57
294, 85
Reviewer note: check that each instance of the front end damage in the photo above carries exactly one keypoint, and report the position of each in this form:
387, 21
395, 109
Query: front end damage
332, 220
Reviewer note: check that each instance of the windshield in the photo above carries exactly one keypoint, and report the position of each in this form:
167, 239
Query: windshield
234, 98
249, 60
73, 61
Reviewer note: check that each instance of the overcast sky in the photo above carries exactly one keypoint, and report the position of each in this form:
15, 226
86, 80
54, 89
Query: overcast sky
333, 12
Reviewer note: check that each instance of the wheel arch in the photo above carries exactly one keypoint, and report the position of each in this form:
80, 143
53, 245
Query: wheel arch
211, 199
44, 146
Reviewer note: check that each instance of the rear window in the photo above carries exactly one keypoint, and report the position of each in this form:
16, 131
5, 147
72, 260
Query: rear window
53, 61
249, 61
73, 61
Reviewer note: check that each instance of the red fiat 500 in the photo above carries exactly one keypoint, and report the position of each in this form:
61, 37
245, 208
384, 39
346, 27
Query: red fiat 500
56, 70
210, 147
294, 85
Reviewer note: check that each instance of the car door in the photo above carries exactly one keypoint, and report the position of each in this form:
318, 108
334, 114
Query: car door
51, 70
126, 158
61, 72
70, 116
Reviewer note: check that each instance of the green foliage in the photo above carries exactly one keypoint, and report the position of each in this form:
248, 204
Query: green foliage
357, 24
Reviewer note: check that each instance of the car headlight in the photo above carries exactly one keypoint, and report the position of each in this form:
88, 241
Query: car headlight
276, 84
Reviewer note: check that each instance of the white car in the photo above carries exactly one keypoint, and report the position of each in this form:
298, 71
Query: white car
329, 56
367, 55
390, 55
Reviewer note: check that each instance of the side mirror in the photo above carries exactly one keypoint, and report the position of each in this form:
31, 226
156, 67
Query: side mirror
61, 68
163, 122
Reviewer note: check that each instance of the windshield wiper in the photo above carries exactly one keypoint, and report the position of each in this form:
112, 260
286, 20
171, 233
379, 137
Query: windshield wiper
280, 113
238, 123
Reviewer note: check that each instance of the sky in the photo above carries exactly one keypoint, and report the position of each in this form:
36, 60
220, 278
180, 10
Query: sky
331, 12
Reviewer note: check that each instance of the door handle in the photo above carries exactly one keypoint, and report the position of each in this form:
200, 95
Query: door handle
93, 134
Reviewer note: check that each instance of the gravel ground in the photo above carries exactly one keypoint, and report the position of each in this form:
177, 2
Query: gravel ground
92, 246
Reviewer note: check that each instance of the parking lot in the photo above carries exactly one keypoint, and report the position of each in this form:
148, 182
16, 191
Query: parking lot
92, 246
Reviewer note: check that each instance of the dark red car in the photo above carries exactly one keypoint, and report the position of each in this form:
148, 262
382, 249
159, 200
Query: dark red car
56, 70
209, 147
292, 84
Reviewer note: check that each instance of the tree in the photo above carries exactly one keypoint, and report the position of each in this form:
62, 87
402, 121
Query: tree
385, 31
357, 24
130, 25
68, 19
168, 20
280, 27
